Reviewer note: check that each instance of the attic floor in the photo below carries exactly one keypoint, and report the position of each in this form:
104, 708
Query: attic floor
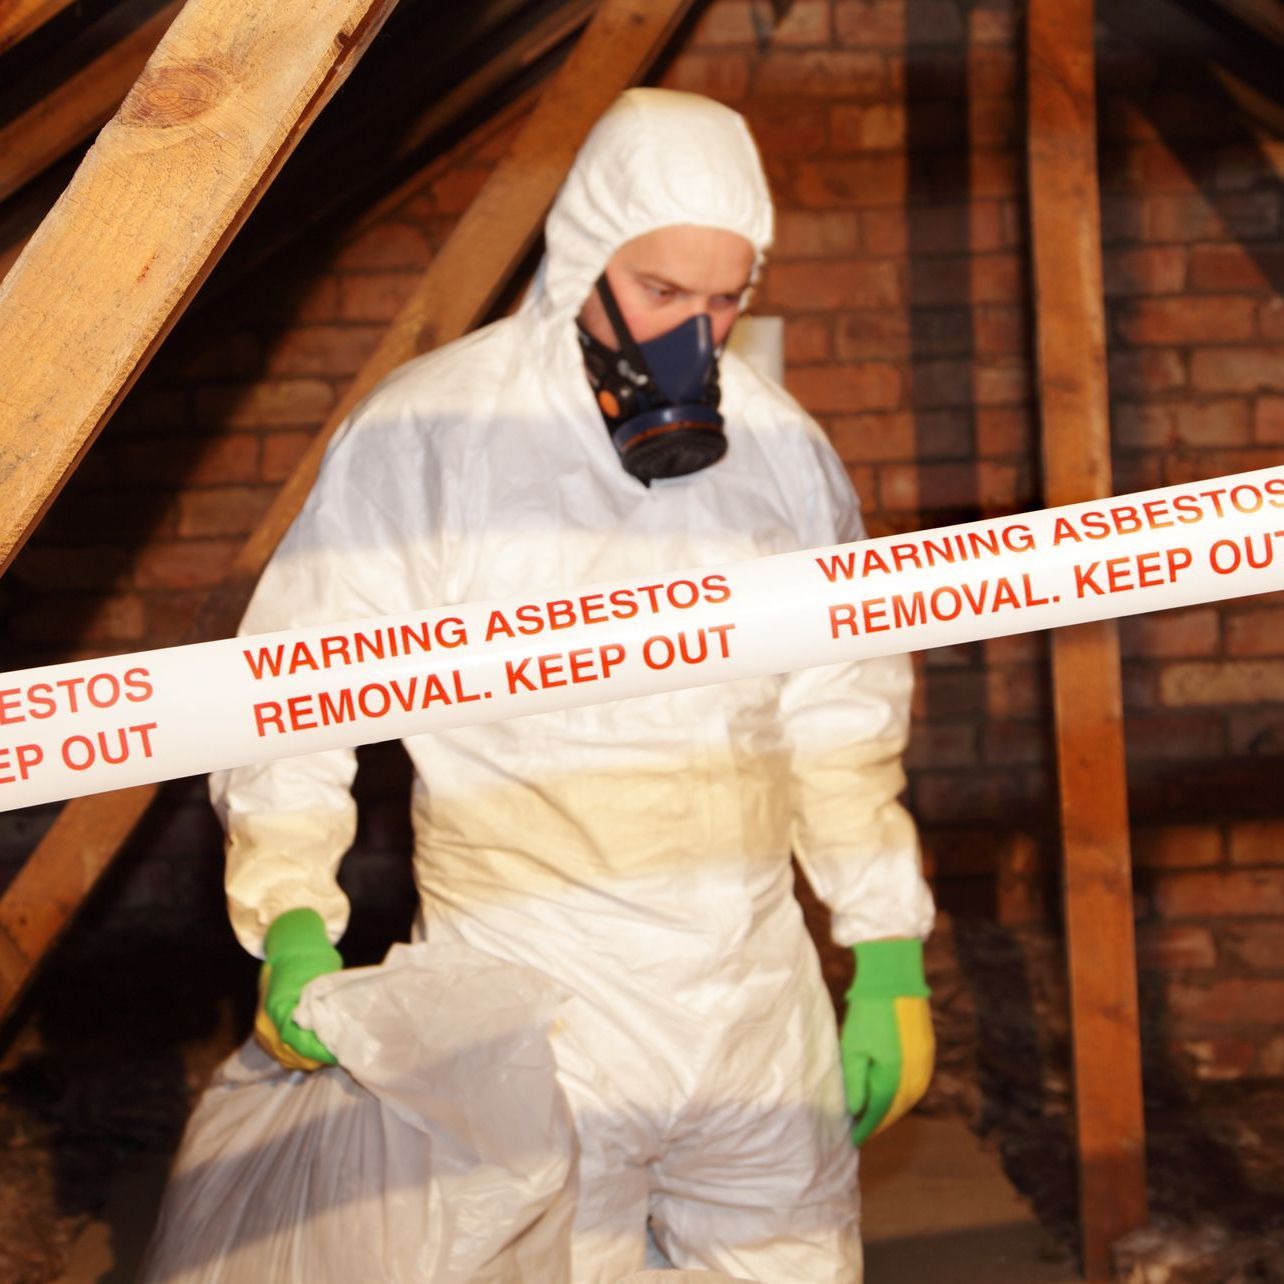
96, 1083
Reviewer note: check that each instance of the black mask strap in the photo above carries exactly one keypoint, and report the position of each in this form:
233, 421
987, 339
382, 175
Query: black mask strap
628, 345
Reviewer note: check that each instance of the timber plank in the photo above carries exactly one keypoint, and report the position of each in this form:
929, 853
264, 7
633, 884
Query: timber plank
1088, 701
19, 18
488, 244
85, 102
166, 185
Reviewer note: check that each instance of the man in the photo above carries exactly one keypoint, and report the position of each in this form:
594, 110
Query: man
636, 852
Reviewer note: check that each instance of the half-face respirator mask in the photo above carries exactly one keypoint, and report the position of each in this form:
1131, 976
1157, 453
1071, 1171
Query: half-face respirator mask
660, 398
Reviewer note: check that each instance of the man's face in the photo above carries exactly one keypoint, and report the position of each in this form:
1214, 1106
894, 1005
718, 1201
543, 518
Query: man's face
662, 278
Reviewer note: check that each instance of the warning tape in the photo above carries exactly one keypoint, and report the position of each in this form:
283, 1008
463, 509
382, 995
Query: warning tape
81, 728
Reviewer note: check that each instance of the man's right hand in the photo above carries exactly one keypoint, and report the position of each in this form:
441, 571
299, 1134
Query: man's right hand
296, 950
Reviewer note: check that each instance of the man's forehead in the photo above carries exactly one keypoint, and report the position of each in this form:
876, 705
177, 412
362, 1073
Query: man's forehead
683, 249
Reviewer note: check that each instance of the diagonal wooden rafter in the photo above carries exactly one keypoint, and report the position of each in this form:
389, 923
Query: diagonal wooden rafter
68, 115
165, 187
1066, 238
21, 17
463, 282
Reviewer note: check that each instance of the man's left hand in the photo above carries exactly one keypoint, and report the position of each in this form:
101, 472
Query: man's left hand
886, 1041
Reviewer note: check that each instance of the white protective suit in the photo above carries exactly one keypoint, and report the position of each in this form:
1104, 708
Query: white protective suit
638, 852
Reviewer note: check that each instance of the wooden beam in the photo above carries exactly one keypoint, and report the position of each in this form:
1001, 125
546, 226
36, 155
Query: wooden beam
488, 244
82, 104
19, 18
1066, 237
166, 185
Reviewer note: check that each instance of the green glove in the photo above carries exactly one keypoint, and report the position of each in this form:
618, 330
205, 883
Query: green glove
296, 950
886, 1041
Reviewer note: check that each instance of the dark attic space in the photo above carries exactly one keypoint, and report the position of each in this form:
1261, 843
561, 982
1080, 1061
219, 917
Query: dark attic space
1099, 808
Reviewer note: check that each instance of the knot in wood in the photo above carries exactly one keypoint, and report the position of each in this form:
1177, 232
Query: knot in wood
172, 94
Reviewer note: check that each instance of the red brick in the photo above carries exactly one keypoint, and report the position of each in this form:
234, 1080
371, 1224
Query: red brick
1145, 372
1004, 430
944, 434
1017, 691
298, 302
981, 278
724, 76
1190, 631
374, 296
786, 127
809, 234
1175, 947
808, 22
1222, 682
53, 568
993, 23
1122, 219
385, 245
1243, 893
1219, 1060
1003, 383
1149, 167
105, 621
867, 128
269, 404
1256, 731
1248, 369
327, 351
184, 564
1144, 425
1241, 166
1154, 269
1177, 846
1256, 945
868, 24
1189, 466
1207, 319
904, 487
846, 388
1270, 319
944, 229
828, 74
228, 356
728, 22
1170, 737
995, 123
452, 193
1250, 215
1268, 419
1001, 331
1018, 649
152, 408
858, 438
851, 182
1219, 268
1255, 632
231, 457
833, 283
225, 510
1257, 842
808, 339
1011, 740
881, 332
1229, 1001
1193, 423
943, 744
281, 452
1270, 1058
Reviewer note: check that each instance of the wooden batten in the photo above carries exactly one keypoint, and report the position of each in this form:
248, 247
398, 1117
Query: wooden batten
166, 185
1066, 237
620, 44
19, 18
68, 115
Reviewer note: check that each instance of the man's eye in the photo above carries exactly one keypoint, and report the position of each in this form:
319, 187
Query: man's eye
660, 291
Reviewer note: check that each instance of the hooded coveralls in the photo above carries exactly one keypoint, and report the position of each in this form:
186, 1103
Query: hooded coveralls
637, 852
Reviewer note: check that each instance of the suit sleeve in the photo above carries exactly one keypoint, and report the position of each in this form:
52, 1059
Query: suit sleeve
846, 727
289, 823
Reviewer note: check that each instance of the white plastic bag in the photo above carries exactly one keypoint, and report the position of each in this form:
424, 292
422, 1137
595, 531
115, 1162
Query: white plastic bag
443, 1149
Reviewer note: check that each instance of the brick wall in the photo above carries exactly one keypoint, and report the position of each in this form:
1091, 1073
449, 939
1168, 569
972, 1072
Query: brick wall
892, 133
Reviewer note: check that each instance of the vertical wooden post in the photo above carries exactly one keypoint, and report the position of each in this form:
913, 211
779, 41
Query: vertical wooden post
1066, 238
